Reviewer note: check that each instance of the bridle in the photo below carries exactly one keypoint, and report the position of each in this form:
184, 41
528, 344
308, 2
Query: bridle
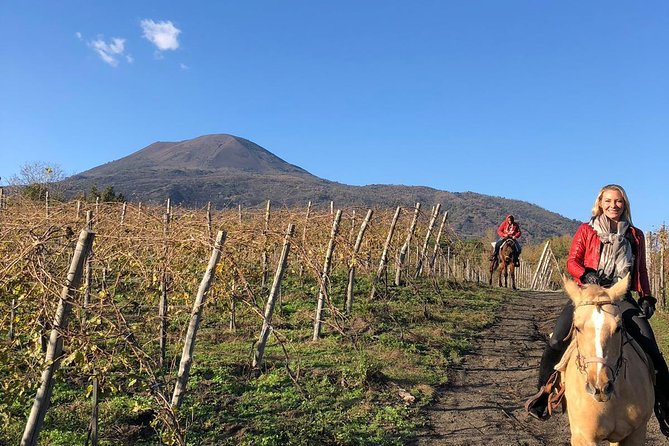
582, 361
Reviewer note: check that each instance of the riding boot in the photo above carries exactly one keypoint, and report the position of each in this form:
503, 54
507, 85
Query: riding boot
662, 394
537, 405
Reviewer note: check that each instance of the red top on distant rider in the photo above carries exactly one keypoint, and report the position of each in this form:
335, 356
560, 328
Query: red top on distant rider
509, 228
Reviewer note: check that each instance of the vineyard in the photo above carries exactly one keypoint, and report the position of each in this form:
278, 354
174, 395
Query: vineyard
150, 325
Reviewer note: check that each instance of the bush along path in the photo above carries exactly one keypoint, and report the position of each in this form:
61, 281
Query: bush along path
483, 402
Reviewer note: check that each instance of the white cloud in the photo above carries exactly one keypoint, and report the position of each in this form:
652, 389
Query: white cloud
164, 35
78, 34
109, 52
183, 66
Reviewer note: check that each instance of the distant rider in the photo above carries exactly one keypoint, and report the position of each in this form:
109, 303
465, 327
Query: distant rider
508, 229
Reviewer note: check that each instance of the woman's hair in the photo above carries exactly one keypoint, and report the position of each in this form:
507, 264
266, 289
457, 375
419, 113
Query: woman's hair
597, 207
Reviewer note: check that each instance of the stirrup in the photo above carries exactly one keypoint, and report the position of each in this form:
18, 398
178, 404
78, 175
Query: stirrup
554, 393
661, 416
537, 408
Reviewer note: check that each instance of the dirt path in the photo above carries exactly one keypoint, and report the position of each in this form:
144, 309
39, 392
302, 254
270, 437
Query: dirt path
484, 403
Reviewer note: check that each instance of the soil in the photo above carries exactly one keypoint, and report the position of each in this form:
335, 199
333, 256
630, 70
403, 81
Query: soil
483, 404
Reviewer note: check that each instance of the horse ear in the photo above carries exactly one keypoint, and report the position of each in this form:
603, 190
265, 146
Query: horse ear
571, 287
619, 289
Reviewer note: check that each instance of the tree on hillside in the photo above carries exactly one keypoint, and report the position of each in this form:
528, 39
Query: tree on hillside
36, 178
106, 196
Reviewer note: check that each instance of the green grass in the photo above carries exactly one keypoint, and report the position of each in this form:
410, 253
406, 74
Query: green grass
341, 390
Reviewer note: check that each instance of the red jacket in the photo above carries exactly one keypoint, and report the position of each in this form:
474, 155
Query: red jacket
586, 248
508, 230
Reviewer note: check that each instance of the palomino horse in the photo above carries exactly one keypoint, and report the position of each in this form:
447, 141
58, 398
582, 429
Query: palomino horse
607, 377
504, 264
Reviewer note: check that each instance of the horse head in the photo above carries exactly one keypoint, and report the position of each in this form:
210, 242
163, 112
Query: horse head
506, 251
598, 333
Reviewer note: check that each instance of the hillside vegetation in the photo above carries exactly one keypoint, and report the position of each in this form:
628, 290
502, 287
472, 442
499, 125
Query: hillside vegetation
229, 171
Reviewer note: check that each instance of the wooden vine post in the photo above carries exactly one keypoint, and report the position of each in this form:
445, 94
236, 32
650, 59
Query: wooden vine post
209, 233
383, 263
93, 428
232, 323
533, 285
304, 238
163, 305
271, 300
405, 248
435, 251
196, 316
352, 264
662, 241
88, 273
423, 251
55, 346
324, 277
12, 317
123, 211
265, 255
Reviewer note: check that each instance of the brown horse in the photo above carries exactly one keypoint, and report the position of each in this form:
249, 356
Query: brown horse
504, 264
607, 377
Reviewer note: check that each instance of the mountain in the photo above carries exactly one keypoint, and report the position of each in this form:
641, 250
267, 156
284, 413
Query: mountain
228, 170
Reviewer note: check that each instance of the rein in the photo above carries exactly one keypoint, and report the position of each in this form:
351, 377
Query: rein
582, 361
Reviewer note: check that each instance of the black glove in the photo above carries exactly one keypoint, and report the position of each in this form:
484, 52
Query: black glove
590, 277
647, 305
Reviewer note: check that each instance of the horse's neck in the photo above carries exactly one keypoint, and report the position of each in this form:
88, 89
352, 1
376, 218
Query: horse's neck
631, 348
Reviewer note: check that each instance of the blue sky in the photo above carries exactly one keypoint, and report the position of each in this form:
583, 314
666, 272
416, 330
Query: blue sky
566, 95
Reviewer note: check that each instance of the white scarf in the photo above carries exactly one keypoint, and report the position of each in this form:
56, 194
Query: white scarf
616, 258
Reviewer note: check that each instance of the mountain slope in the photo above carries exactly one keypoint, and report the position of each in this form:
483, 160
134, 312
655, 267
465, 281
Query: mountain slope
227, 171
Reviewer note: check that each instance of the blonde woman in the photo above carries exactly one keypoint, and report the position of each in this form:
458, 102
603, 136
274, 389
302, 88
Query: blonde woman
603, 251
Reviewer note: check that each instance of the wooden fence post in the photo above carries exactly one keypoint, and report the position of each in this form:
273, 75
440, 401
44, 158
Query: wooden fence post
271, 300
324, 276
196, 315
55, 347
351, 270
405, 247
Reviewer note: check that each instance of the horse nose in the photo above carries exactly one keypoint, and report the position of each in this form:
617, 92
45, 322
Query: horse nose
602, 393
590, 389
